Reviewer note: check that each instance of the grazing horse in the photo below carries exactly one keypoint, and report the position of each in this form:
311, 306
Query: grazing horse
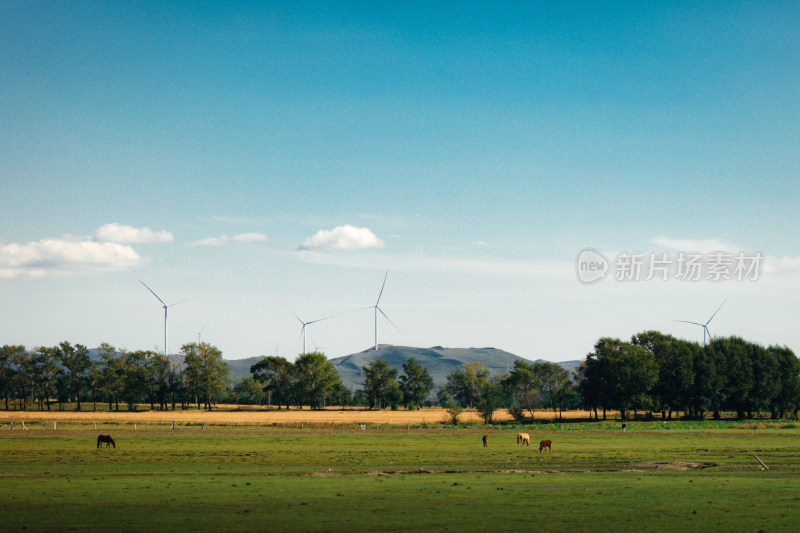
485, 440
546, 445
523, 439
107, 439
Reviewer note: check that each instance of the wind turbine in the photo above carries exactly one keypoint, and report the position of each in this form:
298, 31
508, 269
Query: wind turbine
165, 311
305, 324
705, 326
200, 334
377, 309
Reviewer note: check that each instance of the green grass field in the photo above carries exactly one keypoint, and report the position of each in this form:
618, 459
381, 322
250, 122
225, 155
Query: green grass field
653, 477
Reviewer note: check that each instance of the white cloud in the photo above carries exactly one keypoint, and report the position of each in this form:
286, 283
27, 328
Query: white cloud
224, 239
344, 237
120, 233
66, 256
210, 241
541, 269
250, 237
693, 245
781, 265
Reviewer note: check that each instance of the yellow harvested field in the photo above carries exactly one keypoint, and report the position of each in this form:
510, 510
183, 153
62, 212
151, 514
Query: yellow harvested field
232, 415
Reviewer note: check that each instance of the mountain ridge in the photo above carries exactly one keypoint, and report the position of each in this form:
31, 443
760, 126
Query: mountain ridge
439, 361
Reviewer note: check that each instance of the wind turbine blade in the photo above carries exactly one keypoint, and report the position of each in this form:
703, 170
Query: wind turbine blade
154, 294
186, 300
387, 318
326, 318
687, 322
717, 311
297, 317
382, 286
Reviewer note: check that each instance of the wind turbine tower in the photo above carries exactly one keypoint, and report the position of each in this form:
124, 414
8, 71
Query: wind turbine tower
306, 324
705, 326
165, 306
200, 334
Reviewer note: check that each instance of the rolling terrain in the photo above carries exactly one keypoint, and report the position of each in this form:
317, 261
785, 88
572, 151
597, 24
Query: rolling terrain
438, 360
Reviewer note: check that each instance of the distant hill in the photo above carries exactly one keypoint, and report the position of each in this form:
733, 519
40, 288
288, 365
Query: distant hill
439, 361
239, 368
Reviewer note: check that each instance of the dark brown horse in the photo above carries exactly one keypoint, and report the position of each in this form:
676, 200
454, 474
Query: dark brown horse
546, 445
485, 440
107, 439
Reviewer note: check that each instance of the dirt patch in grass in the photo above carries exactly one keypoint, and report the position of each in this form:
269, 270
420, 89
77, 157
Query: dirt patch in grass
642, 467
674, 465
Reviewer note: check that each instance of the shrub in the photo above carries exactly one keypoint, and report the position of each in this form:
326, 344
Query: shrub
517, 413
454, 411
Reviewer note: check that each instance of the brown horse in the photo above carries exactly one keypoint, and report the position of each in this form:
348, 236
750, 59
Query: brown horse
546, 445
523, 439
485, 440
107, 439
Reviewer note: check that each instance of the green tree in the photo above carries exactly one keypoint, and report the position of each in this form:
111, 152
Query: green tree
341, 394
766, 381
623, 371
787, 398
465, 383
158, 378
734, 366
675, 360
553, 378
8, 370
110, 373
206, 372
22, 386
135, 382
248, 391
522, 384
76, 365
706, 393
416, 383
491, 398
43, 371
315, 378
276, 377
380, 380
594, 383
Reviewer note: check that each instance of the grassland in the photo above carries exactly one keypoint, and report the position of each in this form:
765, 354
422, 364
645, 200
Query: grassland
653, 477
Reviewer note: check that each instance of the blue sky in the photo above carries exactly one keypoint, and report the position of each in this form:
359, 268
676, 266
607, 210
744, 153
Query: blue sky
266, 156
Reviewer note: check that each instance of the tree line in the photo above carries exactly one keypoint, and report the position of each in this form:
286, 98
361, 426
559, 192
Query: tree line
66, 373
651, 373
657, 372
312, 380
